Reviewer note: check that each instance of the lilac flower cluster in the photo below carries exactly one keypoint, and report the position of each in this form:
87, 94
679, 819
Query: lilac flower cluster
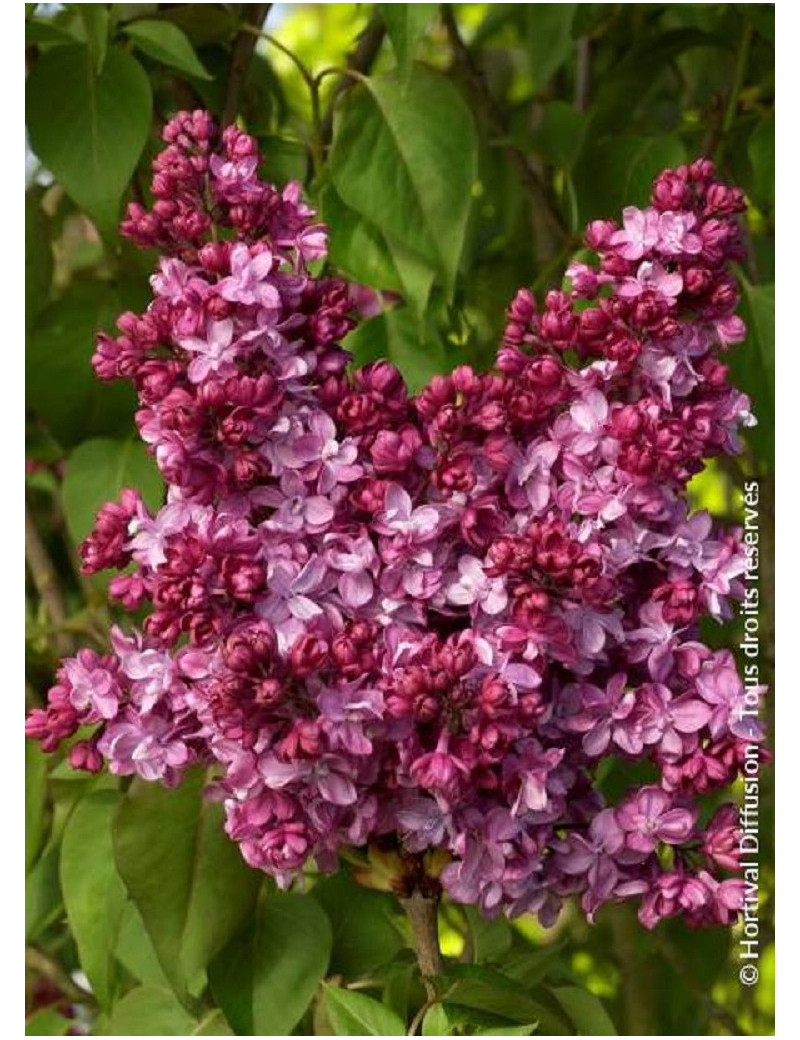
439, 619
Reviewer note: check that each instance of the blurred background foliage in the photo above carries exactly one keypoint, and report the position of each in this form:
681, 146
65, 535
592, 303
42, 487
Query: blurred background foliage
455, 151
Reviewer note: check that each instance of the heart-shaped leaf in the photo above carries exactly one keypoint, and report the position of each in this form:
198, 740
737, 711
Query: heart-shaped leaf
89, 128
405, 156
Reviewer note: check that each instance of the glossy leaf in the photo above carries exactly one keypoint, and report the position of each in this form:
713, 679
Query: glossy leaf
43, 902
149, 1011
95, 26
214, 1024
356, 1014
38, 257
549, 39
47, 1022
265, 980
404, 156
134, 949
396, 336
559, 135
436, 1022
60, 386
761, 150
94, 895
625, 175
365, 935
35, 800
484, 989
186, 877
167, 44
95, 473
88, 128
406, 25
586, 1011
490, 938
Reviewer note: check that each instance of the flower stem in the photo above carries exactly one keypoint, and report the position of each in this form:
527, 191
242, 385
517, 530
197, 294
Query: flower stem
422, 914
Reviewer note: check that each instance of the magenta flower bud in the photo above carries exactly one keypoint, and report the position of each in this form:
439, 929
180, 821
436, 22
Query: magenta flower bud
84, 755
702, 170
697, 280
215, 257
308, 655
671, 190
243, 578
522, 308
455, 475
393, 452
511, 360
721, 839
598, 234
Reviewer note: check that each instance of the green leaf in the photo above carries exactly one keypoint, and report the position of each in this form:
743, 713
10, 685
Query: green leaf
94, 896
357, 247
761, 150
46, 31
532, 966
89, 129
265, 980
283, 160
47, 1022
484, 989
96, 472
60, 386
559, 136
355, 1014
168, 44
42, 893
203, 23
361, 250
490, 937
185, 875
405, 156
365, 936
626, 174
396, 336
630, 81
444, 1020
95, 26
149, 1011
586, 1011
436, 1022
38, 256
549, 39
35, 800
135, 951
214, 1024
527, 1030
406, 25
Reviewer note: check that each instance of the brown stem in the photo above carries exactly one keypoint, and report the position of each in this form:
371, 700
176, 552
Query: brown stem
243, 46
360, 61
45, 579
422, 913
549, 228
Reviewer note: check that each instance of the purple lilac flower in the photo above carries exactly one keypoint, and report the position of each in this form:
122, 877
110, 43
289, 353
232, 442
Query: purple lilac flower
436, 618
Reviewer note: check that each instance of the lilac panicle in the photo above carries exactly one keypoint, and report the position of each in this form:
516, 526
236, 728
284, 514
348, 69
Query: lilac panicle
434, 618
